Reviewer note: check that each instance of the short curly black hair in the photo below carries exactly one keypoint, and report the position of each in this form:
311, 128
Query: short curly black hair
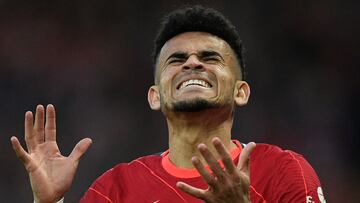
198, 18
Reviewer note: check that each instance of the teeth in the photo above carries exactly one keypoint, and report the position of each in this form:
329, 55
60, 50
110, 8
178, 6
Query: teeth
195, 82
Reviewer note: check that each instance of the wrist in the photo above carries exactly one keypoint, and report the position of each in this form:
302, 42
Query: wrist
59, 201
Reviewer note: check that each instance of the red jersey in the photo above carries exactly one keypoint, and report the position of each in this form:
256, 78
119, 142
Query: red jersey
276, 175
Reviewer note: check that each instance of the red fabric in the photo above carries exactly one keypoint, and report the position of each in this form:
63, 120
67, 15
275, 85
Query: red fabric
192, 173
276, 175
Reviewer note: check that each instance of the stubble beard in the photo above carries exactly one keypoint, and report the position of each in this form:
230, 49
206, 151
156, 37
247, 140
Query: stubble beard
194, 105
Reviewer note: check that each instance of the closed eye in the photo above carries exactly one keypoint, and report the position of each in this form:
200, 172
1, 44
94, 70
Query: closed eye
211, 56
211, 59
177, 57
176, 60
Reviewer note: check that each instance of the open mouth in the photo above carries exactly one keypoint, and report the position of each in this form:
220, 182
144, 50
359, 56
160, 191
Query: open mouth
197, 82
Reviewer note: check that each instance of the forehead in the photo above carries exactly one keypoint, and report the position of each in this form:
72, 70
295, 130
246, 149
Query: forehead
193, 42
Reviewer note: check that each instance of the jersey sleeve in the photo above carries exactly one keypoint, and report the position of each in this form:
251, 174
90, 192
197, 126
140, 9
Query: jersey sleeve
296, 180
104, 189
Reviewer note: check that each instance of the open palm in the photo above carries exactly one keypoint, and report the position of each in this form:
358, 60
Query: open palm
50, 173
228, 185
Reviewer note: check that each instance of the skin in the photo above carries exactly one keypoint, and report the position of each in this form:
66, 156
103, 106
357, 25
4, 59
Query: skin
202, 137
50, 173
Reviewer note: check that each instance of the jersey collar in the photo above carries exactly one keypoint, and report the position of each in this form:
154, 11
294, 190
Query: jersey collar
192, 172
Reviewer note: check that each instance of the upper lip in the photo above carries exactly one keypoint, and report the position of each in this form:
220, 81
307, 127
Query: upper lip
193, 77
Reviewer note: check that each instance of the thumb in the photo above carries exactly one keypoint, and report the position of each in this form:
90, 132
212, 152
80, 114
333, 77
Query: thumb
80, 149
243, 164
19, 150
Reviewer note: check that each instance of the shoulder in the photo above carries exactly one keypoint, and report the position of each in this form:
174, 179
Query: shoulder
269, 151
283, 174
277, 159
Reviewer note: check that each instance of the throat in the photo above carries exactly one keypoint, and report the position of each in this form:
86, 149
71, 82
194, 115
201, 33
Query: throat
183, 144
188, 130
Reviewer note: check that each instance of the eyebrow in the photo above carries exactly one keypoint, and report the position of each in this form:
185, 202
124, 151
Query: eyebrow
202, 54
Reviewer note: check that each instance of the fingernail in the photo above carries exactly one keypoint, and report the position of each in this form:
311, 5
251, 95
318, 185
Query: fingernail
194, 159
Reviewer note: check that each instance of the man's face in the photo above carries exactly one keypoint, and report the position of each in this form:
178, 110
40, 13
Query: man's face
196, 71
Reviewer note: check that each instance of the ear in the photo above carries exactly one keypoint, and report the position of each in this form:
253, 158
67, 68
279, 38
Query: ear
241, 93
154, 97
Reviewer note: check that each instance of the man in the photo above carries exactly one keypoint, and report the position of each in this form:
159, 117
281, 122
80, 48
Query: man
199, 79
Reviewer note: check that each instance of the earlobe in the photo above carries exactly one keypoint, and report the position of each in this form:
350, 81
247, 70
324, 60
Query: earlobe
154, 97
241, 93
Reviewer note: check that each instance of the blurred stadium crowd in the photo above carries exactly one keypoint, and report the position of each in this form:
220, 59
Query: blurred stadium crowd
91, 59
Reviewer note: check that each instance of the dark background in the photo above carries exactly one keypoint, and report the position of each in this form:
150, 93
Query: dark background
91, 59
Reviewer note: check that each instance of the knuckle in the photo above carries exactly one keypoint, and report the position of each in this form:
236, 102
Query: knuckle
236, 177
39, 129
221, 176
212, 182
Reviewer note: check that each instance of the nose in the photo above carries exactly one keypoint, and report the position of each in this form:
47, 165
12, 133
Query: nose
193, 63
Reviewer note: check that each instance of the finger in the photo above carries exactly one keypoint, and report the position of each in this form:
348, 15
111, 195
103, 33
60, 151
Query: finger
225, 156
243, 164
19, 150
29, 135
204, 173
193, 191
212, 162
50, 124
245, 181
39, 124
80, 148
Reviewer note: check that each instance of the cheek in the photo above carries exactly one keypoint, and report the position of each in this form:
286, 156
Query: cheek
223, 73
168, 74
226, 79
166, 82
226, 86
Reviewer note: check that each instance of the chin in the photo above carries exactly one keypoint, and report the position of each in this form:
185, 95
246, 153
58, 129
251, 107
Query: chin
193, 105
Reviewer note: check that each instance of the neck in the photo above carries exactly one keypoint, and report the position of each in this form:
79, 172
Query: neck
188, 130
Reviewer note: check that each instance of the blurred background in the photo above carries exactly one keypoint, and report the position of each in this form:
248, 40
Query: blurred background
91, 59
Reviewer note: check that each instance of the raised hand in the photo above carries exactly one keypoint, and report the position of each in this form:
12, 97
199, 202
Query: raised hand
50, 173
226, 186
